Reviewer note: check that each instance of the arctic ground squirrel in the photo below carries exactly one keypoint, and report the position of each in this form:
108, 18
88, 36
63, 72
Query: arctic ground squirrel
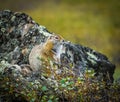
44, 51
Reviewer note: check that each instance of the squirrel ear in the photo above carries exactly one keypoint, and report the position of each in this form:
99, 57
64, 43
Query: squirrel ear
50, 37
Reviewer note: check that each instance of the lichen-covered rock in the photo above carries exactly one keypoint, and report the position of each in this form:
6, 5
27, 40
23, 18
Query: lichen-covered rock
75, 65
18, 34
83, 58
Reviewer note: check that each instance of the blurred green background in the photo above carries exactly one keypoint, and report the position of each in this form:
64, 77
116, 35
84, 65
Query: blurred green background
92, 23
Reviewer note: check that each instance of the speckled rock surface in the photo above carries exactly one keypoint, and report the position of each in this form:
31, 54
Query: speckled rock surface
84, 58
19, 33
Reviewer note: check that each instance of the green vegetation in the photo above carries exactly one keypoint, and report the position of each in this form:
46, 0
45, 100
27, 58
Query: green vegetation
48, 86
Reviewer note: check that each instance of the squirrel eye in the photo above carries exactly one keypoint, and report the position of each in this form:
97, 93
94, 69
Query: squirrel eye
56, 37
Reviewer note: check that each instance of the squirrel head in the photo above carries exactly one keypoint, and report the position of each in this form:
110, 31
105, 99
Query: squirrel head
52, 42
55, 38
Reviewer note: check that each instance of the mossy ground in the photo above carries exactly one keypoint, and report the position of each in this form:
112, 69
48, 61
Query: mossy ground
48, 86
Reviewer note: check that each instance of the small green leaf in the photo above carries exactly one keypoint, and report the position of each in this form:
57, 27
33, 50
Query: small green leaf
62, 81
64, 85
32, 100
49, 100
44, 88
